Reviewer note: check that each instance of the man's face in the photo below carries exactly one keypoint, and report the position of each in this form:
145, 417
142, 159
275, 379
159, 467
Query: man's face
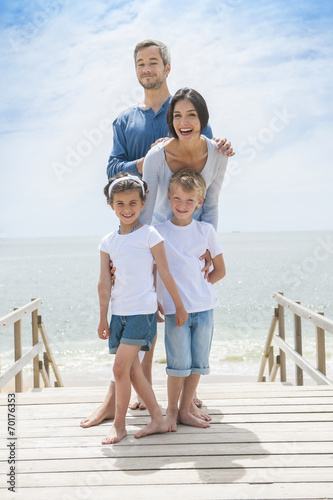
150, 69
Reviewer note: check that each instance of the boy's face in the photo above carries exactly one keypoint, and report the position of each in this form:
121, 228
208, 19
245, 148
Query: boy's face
184, 203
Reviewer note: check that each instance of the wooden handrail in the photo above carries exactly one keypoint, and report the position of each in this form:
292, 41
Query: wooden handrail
39, 368
19, 313
316, 318
20, 364
321, 323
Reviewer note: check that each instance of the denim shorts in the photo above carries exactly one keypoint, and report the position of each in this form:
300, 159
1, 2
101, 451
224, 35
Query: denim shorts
188, 346
138, 330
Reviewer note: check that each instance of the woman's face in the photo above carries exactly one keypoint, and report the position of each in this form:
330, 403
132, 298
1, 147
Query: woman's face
186, 121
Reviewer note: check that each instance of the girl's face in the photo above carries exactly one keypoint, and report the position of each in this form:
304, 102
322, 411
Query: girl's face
185, 120
127, 206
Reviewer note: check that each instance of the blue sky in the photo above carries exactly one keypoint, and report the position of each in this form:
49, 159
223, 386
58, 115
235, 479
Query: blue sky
265, 69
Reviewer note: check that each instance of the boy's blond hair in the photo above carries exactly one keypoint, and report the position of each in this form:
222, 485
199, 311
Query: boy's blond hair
188, 180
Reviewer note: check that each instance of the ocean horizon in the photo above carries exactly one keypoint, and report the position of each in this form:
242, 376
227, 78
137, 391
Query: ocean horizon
63, 272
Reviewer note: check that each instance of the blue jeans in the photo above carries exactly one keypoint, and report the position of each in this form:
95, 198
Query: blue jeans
188, 346
139, 330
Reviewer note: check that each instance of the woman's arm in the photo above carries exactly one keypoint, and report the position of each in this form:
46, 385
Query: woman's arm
150, 175
211, 204
159, 255
104, 294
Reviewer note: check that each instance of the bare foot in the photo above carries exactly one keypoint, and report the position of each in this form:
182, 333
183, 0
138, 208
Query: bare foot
137, 403
196, 412
171, 419
101, 413
187, 418
197, 401
115, 435
157, 426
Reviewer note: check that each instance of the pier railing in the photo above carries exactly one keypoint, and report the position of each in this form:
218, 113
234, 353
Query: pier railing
278, 362
41, 368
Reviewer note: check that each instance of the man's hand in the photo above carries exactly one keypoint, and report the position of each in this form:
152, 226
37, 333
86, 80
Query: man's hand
139, 165
159, 140
208, 262
224, 146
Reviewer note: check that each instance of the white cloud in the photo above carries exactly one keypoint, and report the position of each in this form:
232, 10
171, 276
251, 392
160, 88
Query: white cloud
76, 69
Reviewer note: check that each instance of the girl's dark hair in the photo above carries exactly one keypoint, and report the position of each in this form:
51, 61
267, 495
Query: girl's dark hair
198, 102
124, 185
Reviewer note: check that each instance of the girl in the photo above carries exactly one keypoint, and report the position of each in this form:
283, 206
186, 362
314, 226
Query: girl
133, 248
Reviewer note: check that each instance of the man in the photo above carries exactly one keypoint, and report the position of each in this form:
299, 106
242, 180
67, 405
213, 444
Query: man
135, 130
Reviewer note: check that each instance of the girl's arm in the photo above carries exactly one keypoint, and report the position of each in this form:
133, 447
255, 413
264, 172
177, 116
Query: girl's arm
158, 252
104, 294
219, 270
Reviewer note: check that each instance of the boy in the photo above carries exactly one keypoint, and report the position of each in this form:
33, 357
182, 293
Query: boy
188, 347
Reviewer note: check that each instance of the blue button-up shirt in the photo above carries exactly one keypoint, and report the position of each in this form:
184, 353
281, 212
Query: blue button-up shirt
134, 131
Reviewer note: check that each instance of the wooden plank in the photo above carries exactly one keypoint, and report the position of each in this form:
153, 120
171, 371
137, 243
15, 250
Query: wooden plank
286, 453
34, 322
41, 411
282, 356
320, 349
87, 463
17, 367
49, 352
298, 347
130, 446
19, 313
18, 353
90, 489
300, 361
267, 348
188, 476
273, 433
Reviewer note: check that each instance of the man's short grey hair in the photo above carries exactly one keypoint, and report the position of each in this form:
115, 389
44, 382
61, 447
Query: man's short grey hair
164, 51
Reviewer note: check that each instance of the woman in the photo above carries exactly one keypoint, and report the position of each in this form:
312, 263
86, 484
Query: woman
187, 117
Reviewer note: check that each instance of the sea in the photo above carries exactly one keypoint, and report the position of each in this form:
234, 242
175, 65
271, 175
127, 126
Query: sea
63, 272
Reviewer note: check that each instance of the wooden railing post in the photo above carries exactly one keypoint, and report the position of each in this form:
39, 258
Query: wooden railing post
265, 354
18, 351
298, 345
320, 342
36, 378
282, 334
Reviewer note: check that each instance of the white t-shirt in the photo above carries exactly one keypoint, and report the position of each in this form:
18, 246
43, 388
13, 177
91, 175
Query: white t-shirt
133, 292
157, 174
183, 246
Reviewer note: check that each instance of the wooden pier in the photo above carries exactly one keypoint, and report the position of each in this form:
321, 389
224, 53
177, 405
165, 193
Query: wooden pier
267, 441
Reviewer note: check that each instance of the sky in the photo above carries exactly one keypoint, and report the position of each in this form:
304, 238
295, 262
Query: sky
264, 67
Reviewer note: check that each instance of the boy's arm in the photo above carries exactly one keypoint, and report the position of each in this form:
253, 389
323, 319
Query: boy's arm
219, 270
104, 294
158, 252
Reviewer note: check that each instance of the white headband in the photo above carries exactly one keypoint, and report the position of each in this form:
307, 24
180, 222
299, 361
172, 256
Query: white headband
131, 177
